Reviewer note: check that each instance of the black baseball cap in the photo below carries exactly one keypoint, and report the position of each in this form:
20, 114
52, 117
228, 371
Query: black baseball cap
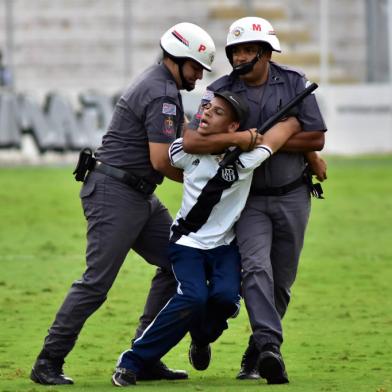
240, 107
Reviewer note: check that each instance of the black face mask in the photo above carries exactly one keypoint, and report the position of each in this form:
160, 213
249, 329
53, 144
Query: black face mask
243, 69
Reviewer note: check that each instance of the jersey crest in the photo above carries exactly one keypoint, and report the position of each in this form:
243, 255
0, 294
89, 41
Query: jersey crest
229, 174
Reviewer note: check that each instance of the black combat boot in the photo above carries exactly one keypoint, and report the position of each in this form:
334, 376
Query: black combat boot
249, 370
49, 371
271, 365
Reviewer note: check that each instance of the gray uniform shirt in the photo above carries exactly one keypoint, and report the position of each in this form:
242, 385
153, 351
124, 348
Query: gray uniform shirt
150, 110
282, 85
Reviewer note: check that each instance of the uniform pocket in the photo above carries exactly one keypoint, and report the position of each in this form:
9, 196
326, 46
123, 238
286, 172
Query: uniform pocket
87, 189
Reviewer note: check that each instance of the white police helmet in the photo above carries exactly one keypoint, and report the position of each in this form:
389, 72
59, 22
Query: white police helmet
251, 29
189, 41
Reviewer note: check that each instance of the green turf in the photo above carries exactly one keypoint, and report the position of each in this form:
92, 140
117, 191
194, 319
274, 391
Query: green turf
338, 329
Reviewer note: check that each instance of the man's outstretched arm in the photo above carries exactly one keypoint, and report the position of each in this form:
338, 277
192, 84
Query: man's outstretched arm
196, 143
279, 134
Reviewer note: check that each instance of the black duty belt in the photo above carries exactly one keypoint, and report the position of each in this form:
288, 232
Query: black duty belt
140, 184
279, 190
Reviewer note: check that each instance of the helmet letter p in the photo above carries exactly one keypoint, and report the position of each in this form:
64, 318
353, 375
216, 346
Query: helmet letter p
189, 41
256, 27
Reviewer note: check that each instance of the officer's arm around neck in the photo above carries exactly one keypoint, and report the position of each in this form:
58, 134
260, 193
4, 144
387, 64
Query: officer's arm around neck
197, 143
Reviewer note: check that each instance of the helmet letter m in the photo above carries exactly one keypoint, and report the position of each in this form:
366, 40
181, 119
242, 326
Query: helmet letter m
256, 27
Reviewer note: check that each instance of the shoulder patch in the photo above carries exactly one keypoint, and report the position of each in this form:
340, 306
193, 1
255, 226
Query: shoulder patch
168, 126
208, 95
169, 108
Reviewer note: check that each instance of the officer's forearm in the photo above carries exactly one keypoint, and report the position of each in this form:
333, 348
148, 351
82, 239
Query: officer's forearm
173, 173
197, 143
159, 159
280, 133
305, 141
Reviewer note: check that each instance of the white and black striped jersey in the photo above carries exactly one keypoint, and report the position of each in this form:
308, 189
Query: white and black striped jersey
213, 197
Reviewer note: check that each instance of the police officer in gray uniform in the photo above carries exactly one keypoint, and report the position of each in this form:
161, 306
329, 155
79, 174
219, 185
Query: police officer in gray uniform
117, 196
270, 231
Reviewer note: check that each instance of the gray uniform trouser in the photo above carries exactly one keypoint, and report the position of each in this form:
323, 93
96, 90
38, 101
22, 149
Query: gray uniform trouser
270, 235
119, 218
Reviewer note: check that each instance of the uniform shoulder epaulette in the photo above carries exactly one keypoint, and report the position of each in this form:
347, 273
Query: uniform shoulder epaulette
219, 83
289, 68
171, 89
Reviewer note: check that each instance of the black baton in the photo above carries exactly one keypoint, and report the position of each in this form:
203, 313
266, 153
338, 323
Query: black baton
232, 156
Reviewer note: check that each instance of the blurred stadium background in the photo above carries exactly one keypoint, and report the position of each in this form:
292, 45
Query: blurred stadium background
70, 59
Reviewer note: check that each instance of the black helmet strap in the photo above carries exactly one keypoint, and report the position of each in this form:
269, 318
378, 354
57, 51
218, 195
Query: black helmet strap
180, 61
245, 68
187, 86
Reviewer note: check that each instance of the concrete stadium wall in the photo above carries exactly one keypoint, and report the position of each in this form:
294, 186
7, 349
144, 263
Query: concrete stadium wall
359, 118
74, 45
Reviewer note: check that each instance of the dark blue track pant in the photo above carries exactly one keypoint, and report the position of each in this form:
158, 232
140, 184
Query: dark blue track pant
207, 295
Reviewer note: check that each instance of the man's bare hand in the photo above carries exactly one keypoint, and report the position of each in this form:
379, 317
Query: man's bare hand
318, 166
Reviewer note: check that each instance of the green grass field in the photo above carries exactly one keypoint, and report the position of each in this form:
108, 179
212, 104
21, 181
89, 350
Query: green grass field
338, 330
